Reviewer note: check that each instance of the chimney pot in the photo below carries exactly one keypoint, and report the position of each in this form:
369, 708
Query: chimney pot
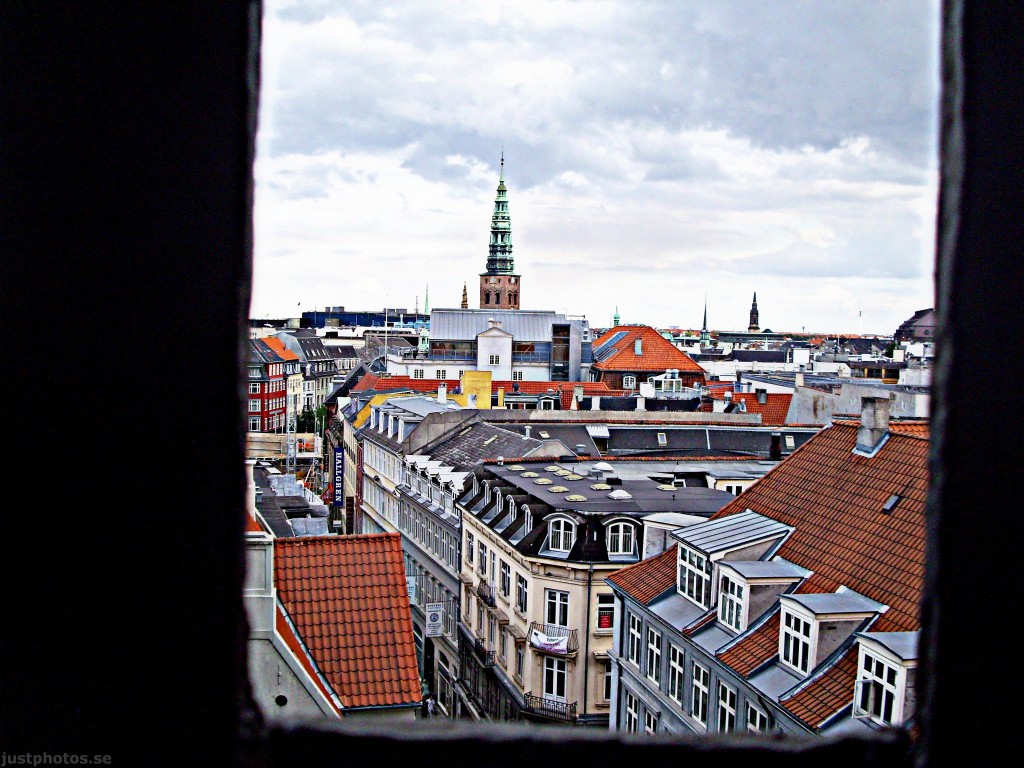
442, 393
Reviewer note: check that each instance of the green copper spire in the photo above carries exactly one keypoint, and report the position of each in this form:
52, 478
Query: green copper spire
615, 317
705, 335
499, 251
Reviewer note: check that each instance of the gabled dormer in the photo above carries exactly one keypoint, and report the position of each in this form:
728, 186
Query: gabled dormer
743, 536
812, 626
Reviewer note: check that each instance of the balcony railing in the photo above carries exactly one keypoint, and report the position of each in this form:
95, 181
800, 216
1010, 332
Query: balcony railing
486, 593
557, 710
550, 638
486, 657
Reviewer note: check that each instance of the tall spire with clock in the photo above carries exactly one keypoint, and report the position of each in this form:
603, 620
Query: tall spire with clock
499, 285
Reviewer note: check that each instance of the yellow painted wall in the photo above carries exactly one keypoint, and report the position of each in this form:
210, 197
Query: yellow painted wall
478, 383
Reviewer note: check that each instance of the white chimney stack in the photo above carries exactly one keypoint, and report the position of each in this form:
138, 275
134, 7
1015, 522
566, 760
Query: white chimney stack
874, 423
442, 393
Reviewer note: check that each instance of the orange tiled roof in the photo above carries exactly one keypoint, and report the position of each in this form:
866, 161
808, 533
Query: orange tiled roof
347, 597
647, 579
278, 346
755, 649
826, 694
833, 498
658, 353
284, 629
773, 412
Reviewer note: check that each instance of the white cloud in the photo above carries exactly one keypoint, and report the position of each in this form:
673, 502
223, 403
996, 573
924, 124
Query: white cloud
654, 152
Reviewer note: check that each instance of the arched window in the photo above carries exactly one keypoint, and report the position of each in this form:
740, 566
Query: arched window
561, 534
528, 524
511, 507
620, 539
487, 297
629, 382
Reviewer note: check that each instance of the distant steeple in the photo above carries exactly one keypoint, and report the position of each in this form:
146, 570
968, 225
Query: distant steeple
499, 284
705, 334
754, 327
426, 301
465, 297
615, 317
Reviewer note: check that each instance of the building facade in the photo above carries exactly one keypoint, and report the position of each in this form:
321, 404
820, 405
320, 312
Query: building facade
794, 609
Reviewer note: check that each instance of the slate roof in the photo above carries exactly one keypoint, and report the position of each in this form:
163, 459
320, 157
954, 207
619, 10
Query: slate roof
773, 412
523, 324
347, 599
833, 499
649, 579
658, 353
471, 446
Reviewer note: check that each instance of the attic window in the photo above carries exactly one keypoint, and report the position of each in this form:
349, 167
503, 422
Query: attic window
490, 439
662, 439
516, 467
573, 477
529, 474
552, 468
575, 497
666, 487
790, 442
543, 481
544, 434
558, 489
601, 487
891, 503
620, 495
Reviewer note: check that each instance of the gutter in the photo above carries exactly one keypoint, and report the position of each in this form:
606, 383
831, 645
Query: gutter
586, 643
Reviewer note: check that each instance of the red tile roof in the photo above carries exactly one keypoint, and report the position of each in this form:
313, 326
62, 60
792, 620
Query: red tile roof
833, 498
755, 649
348, 601
827, 693
658, 353
773, 412
284, 629
646, 580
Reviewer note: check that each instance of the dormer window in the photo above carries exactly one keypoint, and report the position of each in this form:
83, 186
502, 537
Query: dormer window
561, 534
694, 576
795, 641
528, 524
885, 670
731, 603
620, 539
802, 643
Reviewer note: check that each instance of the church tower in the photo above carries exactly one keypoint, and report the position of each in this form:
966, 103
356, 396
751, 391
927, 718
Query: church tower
499, 285
754, 327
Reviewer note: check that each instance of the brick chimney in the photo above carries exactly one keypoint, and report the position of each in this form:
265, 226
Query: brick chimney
874, 423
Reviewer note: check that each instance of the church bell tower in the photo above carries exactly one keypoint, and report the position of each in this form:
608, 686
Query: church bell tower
499, 285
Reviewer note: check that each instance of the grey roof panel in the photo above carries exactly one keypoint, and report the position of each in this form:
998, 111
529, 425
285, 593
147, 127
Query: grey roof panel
902, 644
834, 602
766, 569
731, 532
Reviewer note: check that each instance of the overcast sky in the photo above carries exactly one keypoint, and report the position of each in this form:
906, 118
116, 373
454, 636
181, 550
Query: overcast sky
655, 153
